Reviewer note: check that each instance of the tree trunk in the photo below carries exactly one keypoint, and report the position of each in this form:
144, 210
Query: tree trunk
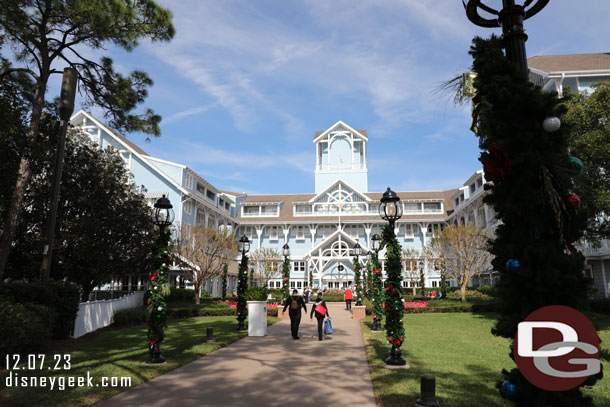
463, 291
197, 289
414, 292
23, 177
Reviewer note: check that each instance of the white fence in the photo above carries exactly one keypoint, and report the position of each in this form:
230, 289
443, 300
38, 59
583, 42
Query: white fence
94, 315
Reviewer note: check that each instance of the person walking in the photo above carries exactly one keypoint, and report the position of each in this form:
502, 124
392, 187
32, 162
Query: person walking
348, 295
295, 302
306, 295
321, 310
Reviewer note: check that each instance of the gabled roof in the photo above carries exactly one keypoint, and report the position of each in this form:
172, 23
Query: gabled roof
342, 182
320, 134
570, 63
331, 239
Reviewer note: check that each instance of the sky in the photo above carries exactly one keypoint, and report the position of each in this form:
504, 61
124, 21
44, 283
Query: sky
244, 85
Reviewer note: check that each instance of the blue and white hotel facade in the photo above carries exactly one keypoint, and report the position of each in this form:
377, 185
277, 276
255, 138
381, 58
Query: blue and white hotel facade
322, 227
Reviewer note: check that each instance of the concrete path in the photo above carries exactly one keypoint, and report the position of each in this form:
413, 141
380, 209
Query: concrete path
269, 371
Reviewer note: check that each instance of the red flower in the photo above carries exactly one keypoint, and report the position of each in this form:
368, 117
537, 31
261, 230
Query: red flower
497, 164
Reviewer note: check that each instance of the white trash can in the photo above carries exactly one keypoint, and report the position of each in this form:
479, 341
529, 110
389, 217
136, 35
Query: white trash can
257, 318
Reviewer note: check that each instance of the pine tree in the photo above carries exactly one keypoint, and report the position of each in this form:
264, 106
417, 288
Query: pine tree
532, 173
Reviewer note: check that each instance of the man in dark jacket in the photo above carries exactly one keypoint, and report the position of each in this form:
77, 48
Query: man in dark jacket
295, 302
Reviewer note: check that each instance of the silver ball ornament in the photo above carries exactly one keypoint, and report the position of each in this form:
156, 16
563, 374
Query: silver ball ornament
551, 124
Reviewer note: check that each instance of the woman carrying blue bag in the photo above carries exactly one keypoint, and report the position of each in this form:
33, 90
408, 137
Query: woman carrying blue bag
321, 311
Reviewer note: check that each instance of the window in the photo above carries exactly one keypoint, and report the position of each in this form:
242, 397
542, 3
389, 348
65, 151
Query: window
303, 209
200, 189
300, 232
408, 228
432, 206
353, 230
269, 210
472, 189
479, 182
250, 210
227, 206
435, 227
188, 207
326, 231
457, 201
273, 232
299, 284
434, 283
411, 207
211, 195
299, 266
292, 284
186, 227
249, 231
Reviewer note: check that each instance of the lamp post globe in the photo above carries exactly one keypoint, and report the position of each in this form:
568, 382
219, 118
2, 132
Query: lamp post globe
357, 250
163, 214
286, 251
244, 245
391, 207
376, 243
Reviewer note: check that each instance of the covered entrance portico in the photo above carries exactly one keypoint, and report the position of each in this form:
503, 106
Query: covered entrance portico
331, 262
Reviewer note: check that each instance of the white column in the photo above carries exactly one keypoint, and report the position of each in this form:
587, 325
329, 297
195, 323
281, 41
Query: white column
604, 278
318, 157
259, 233
353, 161
312, 231
424, 229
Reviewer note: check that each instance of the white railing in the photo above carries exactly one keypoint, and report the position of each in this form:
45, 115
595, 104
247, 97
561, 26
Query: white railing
93, 315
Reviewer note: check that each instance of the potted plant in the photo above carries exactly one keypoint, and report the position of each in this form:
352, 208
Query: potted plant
257, 311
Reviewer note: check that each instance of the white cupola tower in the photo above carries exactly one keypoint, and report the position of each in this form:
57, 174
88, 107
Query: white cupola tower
341, 154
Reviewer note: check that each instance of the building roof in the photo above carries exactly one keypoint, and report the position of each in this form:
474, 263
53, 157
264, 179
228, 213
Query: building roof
570, 63
287, 212
129, 143
317, 133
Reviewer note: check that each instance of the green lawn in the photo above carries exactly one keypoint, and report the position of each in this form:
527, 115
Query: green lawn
122, 353
461, 352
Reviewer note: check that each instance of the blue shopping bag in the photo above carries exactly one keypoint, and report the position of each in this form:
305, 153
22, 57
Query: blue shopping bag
328, 327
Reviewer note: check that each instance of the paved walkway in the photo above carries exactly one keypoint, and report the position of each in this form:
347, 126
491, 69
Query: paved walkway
269, 371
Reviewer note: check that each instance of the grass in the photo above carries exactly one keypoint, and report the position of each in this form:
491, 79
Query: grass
121, 353
461, 352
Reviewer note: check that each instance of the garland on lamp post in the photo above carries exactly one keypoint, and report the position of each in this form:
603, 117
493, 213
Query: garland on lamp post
443, 282
285, 279
422, 281
369, 281
525, 155
357, 281
242, 282
224, 281
376, 294
156, 300
394, 307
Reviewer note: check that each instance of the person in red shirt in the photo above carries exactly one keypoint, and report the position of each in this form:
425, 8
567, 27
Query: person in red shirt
347, 295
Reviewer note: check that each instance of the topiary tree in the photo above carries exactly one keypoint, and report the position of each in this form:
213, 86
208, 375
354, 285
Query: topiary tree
531, 171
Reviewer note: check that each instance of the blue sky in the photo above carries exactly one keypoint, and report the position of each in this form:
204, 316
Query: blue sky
245, 84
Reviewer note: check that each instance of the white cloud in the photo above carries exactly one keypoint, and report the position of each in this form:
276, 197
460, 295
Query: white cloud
186, 113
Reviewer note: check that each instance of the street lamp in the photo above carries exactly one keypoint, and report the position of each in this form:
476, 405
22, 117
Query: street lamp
286, 251
357, 253
391, 207
376, 243
243, 244
163, 216
391, 210
510, 18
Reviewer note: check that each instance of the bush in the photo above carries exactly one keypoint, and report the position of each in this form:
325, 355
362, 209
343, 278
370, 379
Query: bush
130, 316
490, 290
256, 294
26, 328
272, 312
332, 297
471, 295
181, 294
59, 296
455, 306
600, 305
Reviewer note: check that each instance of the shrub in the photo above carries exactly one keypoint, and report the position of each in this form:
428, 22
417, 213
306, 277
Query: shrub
181, 294
490, 290
130, 316
256, 294
333, 297
59, 296
600, 305
272, 312
26, 328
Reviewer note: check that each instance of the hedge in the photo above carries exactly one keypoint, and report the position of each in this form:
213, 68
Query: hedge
59, 296
600, 305
26, 328
130, 316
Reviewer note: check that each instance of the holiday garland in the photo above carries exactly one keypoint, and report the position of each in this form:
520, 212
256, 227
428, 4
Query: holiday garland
251, 278
443, 282
422, 281
242, 287
357, 281
310, 280
531, 194
377, 290
393, 291
156, 295
224, 281
368, 280
285, 279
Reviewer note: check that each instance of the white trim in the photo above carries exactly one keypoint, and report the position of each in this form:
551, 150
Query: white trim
340, 122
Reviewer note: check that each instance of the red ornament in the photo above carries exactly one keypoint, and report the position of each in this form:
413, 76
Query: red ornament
286, 279
497, 164
370, 282
572, 199
377, 271
152, 341
153, 276
147, 302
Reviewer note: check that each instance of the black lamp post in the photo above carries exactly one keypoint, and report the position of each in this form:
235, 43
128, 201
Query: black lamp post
510, 18
243, 245
376, 245
163, 216
357, 253
391, 210
421, 275
286, 251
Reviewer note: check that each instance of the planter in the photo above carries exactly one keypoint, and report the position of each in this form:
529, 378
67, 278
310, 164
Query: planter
257, 318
